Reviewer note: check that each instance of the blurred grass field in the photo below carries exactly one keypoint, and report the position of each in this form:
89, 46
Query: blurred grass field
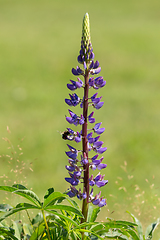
39, 44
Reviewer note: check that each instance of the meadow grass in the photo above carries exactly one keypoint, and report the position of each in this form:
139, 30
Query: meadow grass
39, 44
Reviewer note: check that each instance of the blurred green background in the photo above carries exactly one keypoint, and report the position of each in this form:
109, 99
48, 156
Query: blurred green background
39, 45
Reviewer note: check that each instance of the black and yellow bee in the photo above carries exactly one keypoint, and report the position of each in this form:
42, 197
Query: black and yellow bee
66, 135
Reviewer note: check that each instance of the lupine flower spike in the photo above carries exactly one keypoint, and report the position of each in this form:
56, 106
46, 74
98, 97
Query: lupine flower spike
79, 160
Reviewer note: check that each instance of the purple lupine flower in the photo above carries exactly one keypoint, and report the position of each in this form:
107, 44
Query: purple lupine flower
90, 119
74, 119
96, 101
99, 83
74, 178
97, 147
98, 105
78, 137
75, 85
99, 201
78, 170
84, 160
98, 180
93, 140
73, 153
73, 181
97, 128
96, 65
74, 101
91, 82
95, 71
96, 164
73, 192
70, 168
77, 71
81, 195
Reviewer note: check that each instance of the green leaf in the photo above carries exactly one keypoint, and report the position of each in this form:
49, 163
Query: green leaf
6, 233
150, 229
122, 222
28, 230
85, 224
50, 200
38, 232
16, 209
72, 202
93, 233
17, 226
30, 195
118, 224
5, 207
139, 226
8, 188
49, 191
73, 235
63, 217
133, 234
26, 206
97, 227
114, 234
38, 218
19, 186
92, 213
64, 207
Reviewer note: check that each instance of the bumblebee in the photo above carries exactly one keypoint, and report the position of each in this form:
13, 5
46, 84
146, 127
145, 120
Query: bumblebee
66, 135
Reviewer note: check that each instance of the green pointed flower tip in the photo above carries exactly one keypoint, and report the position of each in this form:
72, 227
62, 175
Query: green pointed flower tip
86, 39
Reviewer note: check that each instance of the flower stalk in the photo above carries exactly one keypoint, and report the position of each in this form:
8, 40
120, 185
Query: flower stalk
79, 166
85, 147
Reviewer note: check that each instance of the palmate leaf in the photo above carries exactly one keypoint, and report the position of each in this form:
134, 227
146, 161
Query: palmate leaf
93, 233
68, 219
81, 228
22, 191
26, 206
18, 208
119, 224
116, 229
49, 191
30, 195
8, 188
114, 234
97, 227
73, 203
54, 196
19, 186
65, 208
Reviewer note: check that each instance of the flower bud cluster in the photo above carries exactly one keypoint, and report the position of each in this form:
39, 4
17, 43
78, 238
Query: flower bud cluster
79, 160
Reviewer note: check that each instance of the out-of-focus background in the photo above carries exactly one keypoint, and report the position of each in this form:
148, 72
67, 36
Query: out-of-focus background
39, 45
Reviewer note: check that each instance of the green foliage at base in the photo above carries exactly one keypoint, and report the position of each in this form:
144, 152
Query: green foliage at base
59, 218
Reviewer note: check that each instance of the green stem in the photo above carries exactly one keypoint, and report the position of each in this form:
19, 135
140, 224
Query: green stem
46, 224
29, 217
